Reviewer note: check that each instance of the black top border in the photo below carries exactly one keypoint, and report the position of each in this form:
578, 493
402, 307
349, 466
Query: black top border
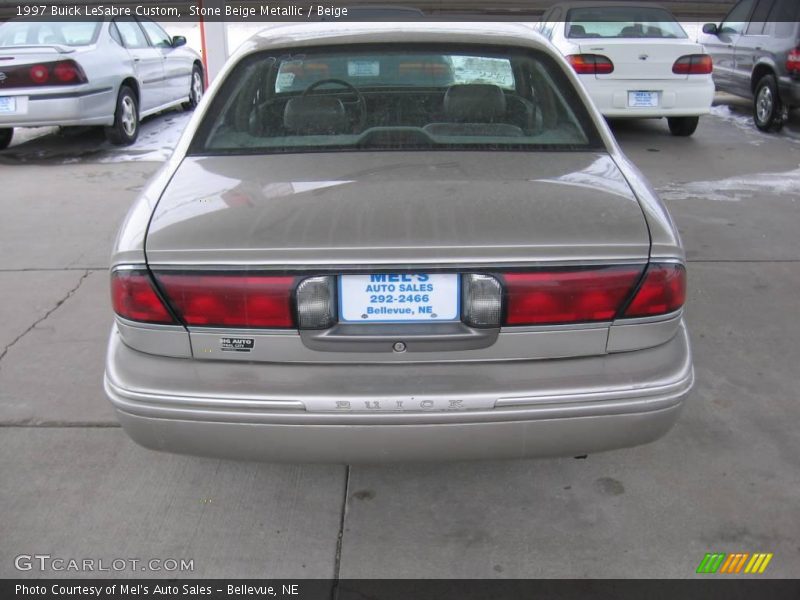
267, 11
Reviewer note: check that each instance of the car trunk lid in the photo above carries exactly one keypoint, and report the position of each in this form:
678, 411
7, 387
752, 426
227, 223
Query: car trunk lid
355, 211
636, 59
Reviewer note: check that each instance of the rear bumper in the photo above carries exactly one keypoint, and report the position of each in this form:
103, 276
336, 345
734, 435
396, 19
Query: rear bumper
678, 98
561, 407
56, 107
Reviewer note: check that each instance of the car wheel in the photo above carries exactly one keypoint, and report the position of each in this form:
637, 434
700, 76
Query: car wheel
767, 109
125, 129
5, 137
196, 89
682, 126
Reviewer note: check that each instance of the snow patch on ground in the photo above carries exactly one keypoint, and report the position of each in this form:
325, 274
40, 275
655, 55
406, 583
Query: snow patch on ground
741, 121
157, 139
736, 189
745, 123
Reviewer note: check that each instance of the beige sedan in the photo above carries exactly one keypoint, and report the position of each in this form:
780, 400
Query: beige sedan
384, 242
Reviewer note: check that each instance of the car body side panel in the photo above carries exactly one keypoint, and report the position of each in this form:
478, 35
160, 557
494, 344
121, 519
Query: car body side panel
149, 65
722, 49
665, 241
177, 72
129, 243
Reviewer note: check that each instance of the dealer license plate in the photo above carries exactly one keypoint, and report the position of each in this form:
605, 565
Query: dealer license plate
8, 104
399, 297
363, 68
642, 99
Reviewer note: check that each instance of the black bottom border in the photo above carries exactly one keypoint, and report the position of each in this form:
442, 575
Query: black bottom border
712, 588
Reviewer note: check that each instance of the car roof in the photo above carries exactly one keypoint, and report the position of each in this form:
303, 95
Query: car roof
331, 33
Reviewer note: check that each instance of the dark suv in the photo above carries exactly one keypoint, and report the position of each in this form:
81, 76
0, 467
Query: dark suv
756, 52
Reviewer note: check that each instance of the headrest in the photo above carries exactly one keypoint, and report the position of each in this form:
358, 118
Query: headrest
635, 29
310, 115
474, 103
577, 31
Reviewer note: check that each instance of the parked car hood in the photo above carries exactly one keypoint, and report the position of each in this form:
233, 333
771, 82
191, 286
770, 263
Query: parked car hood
360, 209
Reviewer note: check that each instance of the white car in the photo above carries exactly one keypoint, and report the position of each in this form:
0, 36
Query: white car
104, 73
635, 60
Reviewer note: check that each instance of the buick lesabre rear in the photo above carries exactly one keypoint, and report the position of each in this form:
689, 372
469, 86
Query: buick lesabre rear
397, 242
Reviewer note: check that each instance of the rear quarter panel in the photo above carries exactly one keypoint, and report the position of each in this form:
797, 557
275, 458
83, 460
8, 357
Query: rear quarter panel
107, 65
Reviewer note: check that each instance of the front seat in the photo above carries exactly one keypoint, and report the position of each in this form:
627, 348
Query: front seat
474, 103
474, 109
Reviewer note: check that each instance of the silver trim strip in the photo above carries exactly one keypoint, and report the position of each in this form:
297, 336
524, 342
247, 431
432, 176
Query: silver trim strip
128, 267
625, 401
151, 326
654, 319
302, 265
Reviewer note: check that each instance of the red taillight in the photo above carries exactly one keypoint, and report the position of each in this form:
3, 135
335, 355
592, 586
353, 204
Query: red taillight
230, 300
793, 61
662, 291
39, 73
66, 71
591, 64
133, 297
693, 64
568, 296
62, 72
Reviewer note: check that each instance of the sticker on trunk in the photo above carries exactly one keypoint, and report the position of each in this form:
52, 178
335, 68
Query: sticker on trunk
236, 344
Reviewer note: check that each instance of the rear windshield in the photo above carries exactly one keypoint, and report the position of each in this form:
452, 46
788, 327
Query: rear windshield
390, 97
37, 33
622, 22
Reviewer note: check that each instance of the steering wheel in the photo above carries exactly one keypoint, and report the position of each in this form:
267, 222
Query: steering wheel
360, 101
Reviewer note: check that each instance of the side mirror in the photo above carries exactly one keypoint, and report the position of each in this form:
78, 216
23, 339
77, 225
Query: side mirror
178, 41
710, 29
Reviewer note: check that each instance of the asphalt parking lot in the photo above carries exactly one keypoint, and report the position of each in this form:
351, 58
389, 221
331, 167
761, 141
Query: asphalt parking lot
725, 479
